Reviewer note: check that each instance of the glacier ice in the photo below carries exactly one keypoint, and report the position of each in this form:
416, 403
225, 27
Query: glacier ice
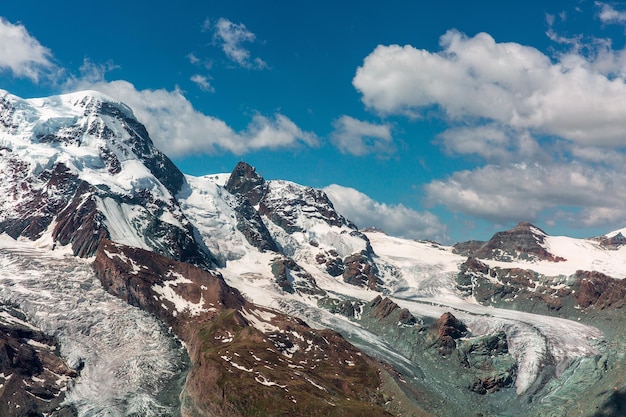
130, 365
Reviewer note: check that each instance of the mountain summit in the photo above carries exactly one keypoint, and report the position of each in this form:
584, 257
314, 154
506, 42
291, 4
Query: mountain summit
80, 168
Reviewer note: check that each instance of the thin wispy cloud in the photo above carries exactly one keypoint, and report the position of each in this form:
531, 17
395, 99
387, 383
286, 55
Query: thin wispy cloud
608, 14
22, 54
231, 38
193, 58
203, 83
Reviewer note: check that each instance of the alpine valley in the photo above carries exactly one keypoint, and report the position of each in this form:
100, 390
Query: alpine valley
130, 289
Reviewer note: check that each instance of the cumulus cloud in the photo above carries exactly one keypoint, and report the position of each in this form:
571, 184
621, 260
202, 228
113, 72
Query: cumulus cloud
178, 129
22, 54
359, 138
550, 130
515, 192
203, 83
478, 79
231, 37
396, 220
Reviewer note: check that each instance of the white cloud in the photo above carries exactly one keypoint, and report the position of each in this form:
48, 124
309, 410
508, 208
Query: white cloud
476, 79
493, 143
193, 58
396, 220
551, 130
608, 14
178, 129
231, 37
358, 138
592, 195
203, 83
22, 54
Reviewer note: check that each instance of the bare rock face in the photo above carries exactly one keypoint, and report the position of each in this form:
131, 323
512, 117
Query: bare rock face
292, 278
251, 225
383, 309
613, 242
488, 356
244, 358
360, 270
447, 329
245, 181
33, 380
524, 241
597, 290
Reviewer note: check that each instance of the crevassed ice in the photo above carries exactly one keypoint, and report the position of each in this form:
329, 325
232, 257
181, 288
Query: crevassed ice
131, 365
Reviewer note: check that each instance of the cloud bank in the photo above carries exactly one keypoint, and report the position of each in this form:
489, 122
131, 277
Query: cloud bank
396, 220
477, 78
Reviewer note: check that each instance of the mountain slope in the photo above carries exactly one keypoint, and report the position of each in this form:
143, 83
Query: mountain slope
282, 305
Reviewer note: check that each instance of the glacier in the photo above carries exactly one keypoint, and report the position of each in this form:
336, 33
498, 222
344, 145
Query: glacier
129, 363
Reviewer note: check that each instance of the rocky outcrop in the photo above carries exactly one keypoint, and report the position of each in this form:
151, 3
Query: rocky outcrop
383, 309
597, 290
33, 379
524, 242
446, 330
489, 356
614, 242
246, 182
332, 261
360, 270
292, 278
524, 288
467, 248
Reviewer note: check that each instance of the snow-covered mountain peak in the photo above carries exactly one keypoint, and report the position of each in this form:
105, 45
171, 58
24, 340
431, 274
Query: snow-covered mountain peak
616, 233
83, 159
97, 138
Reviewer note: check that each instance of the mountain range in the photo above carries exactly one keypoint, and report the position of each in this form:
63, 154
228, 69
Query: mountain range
132, 289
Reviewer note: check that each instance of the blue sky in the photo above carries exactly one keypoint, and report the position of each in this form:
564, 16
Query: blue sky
445, 121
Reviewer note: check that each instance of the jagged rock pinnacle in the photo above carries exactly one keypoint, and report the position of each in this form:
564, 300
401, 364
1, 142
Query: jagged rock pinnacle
245, 181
